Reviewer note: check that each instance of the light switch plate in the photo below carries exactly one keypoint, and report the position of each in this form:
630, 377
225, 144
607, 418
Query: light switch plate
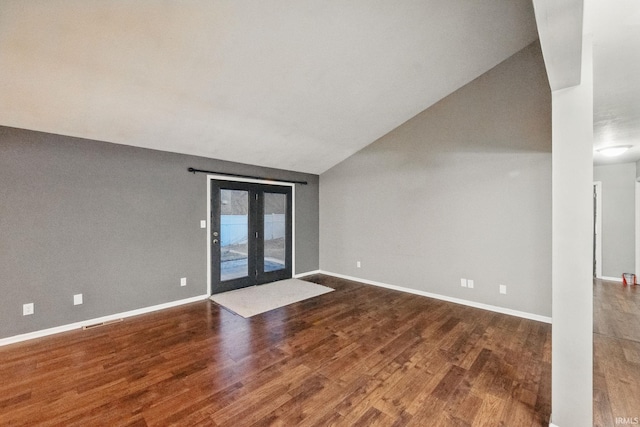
27, 309
503, 289
77, 299
183, 281
470, 283
203, 223
463, 283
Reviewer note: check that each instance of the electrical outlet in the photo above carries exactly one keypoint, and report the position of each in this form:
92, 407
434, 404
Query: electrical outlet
470, 283
503, 289
463, 283
27, 309
77, 299
183, 281
358, 264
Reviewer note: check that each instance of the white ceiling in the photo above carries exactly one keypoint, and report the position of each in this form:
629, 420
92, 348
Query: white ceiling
616, 77
298, 85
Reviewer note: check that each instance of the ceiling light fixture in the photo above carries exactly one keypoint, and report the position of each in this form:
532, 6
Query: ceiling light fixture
613, 151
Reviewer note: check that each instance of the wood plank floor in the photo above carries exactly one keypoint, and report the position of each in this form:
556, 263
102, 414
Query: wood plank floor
359, 356
616, 361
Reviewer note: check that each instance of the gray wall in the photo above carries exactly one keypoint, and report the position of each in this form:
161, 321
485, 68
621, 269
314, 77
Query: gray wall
618, 218
462, 190
119, 224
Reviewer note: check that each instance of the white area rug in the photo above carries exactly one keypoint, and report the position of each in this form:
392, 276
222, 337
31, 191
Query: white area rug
254, 300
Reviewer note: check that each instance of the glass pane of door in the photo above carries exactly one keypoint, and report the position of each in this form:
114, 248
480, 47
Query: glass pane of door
275, 205
234, 234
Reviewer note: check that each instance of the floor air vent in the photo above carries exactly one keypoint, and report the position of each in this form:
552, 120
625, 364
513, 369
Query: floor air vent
97, 325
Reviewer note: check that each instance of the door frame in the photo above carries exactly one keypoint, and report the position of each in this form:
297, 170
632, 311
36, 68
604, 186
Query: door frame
637, 215
597, 226
254, 181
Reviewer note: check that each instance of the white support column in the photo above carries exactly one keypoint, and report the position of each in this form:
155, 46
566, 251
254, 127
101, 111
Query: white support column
572, 336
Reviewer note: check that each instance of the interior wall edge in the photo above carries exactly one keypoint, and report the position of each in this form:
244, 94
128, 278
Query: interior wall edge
306, 273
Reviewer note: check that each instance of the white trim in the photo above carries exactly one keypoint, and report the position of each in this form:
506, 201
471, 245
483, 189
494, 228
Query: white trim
552, 425
611, 279
598, 228
293, 230
308, 273
251, 180
78, 325
637, 215
474, 304
208, 236
255, 181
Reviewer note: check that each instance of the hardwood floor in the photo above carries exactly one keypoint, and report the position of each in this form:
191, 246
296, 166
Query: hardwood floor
359, 356
616, 361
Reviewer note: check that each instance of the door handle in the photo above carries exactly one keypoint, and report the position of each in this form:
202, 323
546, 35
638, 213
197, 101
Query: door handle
215, 241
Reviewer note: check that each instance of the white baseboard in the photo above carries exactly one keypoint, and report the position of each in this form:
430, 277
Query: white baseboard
474, 304
552, 425
305, 274
78, 325
611, 279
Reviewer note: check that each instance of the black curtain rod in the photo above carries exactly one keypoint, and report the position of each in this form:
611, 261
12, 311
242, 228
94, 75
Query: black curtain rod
246, 176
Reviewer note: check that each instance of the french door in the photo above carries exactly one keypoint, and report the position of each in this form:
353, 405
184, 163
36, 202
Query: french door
250, 234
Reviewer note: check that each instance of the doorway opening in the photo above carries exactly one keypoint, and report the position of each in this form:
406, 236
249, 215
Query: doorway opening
251, 233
